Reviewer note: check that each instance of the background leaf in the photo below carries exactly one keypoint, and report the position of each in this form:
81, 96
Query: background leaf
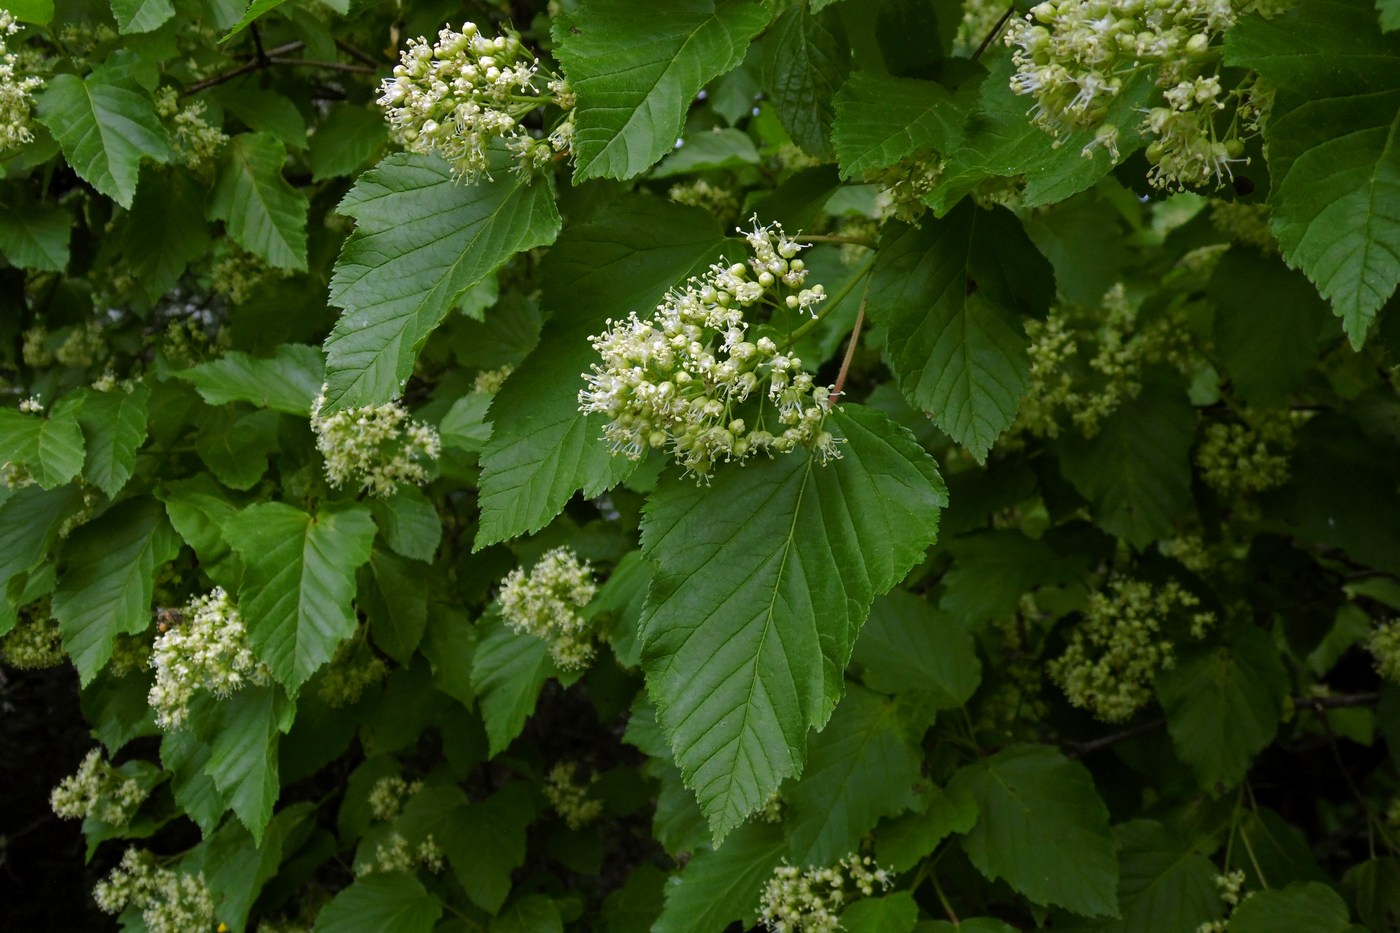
264, 215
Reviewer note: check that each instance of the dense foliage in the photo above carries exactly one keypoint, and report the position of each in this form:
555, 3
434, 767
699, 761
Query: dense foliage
610, 465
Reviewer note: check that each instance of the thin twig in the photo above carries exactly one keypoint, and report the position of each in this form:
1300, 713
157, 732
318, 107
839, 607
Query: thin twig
1079, 749
1346, 776
993, 34
835, 238
851, 347
359, 53
241, 70
329, 66
1337, 702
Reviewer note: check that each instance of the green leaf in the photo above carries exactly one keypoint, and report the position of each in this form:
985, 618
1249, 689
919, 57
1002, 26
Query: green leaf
709, 150
264, 215
264, 111
165, 231
635, 906
397, 604
256, 9
198, 508
1223, 705
880, 120
1389, 13
421, 239
542, 448
909, 647
805, 59
134, 16
1164, 885
235, 446
241, 732
287, 381
237, 867
893, 913
1374, 887
861, 767
533, 913
764, 580
114, 426
382, 902
346, 140
409, 522
29, 523
31, 11
1136, 471
1039, 812
951, 293
299, 580
720, 886
508, 671
485, 842
465, 427
35, 236
51, 449
106, 589
1267, 324
104, 124
635, 77
1333, 142
1298, 908
901, 844
185, 756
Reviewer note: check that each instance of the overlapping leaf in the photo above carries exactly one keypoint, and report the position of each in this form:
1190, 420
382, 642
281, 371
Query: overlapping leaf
264, 214
635, 76
421, 239
806, 58
51, 449
951, 292
764, 579
1333, 138
287, 381
298, 582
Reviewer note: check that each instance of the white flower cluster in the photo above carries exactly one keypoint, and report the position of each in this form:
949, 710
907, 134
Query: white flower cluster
811, 901
689, 378
569, 796
206, 649
455, 96
16, 91
491, 380
169, 901
98, 791
387, 796
1230, 885
546, 603
1074, 57
378, 446
1118, 647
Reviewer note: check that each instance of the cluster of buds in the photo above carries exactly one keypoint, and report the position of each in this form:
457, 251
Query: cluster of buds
1236, 459
1118, 647
388, 795
1384, 645
1075, 57
194, 141
548, 602
396, 854
16, 91
377, 446
569, 796
689, 378
811, 901
34, 643
1230, 885
203, 646
456, 96
354, 669
97, 791
169, 901
490, 381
